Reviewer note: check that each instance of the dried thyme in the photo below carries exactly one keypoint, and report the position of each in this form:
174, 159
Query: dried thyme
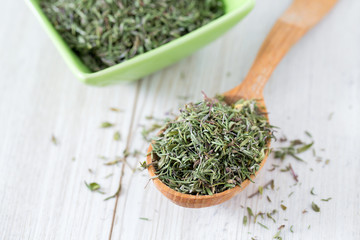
94, 187
269, 215
104, 33
261, 214
250, 212
326, 200
117, 136
293, 173
304, 148
315, 207
54, 140
211, 146
106, 125
261, 188
292, 151
277, 236
116, 109
245, 220
263, 225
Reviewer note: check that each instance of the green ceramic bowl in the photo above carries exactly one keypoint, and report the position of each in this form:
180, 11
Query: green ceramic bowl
153, 60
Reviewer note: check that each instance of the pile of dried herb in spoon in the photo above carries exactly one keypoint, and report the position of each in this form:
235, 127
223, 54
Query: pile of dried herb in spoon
211, 146
106, 32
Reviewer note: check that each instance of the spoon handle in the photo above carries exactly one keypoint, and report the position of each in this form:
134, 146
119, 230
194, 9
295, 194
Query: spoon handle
289, 28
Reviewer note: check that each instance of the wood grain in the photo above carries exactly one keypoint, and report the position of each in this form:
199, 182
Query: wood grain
42, 191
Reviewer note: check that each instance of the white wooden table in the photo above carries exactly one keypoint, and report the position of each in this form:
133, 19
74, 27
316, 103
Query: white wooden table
42, 190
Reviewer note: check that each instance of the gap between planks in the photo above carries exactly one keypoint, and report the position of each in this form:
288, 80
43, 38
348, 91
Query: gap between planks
133, 113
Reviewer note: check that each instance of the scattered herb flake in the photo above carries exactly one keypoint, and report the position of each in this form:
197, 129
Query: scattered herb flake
109, 175
245, 220
54, 140
144, 165
291, 229
304, 148
263, 225
277, 236
326, 200
116, 161
308, 134
272, 184
293, 173
250, 212
315, 207
286, 169
102, 157
283, 207
330, 116
312, 192
106, 125
260, 190
261, 214
283, 139
144, 218
93, 186
117, 136
116, 109
269, 215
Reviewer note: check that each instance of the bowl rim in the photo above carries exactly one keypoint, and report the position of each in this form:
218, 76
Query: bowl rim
82, 71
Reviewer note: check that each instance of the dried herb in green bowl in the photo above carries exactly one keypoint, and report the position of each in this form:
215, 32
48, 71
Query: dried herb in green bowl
211, 147
106, 32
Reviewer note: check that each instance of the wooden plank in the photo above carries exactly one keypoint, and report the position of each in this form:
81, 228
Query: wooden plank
44, 195
300, 96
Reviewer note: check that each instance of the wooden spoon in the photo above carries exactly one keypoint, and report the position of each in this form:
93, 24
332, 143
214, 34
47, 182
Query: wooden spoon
290, 27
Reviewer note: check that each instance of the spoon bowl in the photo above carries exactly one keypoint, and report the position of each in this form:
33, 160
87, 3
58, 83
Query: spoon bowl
197, 201
200, 201
149, 62
290, 27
